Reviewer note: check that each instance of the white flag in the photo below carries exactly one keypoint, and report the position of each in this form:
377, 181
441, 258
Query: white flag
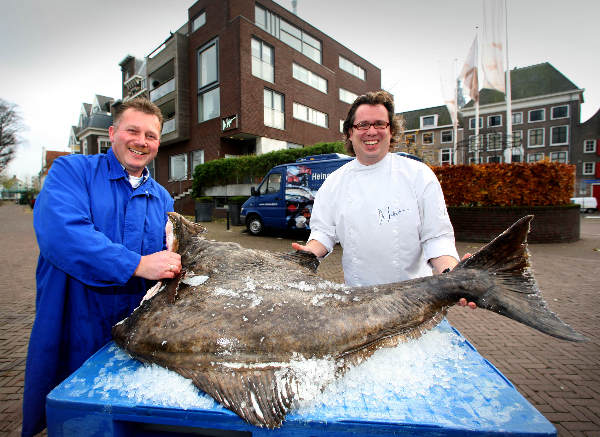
469, 73
492, 45
448, 82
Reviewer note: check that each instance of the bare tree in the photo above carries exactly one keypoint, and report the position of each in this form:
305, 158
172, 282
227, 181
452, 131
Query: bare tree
10, 126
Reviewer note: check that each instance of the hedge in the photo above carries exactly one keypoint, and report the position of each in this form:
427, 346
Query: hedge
252, 168
519, 184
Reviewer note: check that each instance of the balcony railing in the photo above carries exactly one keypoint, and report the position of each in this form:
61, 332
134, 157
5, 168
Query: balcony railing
168, 126
163, 90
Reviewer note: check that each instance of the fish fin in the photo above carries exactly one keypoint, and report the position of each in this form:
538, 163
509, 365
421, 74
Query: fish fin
257, 396
173, 286
515, 293
303, 258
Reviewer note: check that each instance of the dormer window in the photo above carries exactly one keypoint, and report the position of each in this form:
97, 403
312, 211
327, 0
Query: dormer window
428, 121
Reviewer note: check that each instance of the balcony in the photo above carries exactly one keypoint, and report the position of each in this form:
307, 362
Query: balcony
162, 90
168, 126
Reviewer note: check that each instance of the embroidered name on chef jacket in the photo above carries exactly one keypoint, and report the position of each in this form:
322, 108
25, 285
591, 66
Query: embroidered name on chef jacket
387, 214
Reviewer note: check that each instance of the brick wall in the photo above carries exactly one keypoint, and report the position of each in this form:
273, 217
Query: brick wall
482, 224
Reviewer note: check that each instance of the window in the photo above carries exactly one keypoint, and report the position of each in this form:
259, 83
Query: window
103, 145
559, 112
85, 146
517, 138
272, 185
309, 78
494, 120
427, 138
199, 21
262, 60
288, 33
208, 82
517, 117
535, 137
447, 136
352, 68
209, 105
347, 96
410, 139
494, 141
310, 115
588, 168
558, 157
589, 146
535, 157
178, 167
446, 156
274, 110
516, 155
558, 135
495, 159
197, 159
428, 121
473, 143
537, 115
341, 126
472, 123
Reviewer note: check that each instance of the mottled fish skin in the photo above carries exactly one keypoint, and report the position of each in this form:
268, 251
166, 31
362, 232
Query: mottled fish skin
238, 335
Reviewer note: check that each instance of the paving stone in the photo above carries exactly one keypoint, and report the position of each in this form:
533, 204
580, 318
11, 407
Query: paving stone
538, 365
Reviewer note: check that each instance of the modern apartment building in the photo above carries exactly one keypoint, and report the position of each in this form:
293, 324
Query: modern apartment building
545, 114
429, 133
245, 77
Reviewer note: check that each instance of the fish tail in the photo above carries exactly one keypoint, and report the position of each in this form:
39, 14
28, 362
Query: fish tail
515, 293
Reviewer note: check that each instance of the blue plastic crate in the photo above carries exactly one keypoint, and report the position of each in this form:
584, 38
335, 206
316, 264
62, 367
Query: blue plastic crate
484, 403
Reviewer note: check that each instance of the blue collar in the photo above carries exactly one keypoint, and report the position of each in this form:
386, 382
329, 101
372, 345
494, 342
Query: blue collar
117, 171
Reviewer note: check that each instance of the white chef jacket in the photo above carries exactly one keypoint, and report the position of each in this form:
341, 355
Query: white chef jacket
389, 217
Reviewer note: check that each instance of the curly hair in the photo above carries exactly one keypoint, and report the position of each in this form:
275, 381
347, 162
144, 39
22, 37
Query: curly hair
139, 104
373, 98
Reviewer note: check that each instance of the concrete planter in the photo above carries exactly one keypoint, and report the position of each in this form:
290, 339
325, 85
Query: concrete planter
552, 224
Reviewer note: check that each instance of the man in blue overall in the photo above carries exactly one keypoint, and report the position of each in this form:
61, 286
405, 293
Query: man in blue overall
100, 226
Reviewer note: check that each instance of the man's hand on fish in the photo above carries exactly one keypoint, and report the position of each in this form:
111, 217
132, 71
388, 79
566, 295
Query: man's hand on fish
444, 264
159, 265
313, 246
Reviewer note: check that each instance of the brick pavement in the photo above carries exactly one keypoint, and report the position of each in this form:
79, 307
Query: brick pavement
561, 379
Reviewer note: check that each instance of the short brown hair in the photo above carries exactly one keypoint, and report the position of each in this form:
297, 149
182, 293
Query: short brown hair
373, 98
139, 104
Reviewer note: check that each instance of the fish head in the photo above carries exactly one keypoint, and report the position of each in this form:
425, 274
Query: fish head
180, 230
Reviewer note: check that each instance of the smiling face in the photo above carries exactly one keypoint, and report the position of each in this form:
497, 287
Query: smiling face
371, 145
135, 139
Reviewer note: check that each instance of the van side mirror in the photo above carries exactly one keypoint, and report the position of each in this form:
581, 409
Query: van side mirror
253, 191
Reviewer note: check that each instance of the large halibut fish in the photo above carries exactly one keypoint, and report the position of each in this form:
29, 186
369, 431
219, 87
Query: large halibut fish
239, 322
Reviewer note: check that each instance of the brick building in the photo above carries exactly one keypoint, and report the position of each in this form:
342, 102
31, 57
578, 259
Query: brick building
585, 154
245, 77
429, 133
90, 136
545, 114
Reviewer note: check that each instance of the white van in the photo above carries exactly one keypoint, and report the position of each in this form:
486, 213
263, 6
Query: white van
586, 204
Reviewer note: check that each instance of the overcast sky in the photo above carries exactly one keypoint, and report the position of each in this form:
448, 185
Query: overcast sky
57, 54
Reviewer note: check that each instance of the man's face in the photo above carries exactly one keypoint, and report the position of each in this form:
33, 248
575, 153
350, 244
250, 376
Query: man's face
135, 140
371, 145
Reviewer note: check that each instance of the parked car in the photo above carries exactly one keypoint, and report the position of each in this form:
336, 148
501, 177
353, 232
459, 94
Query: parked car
586, 204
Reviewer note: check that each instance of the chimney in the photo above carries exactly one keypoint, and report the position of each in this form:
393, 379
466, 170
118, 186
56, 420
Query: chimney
295, 7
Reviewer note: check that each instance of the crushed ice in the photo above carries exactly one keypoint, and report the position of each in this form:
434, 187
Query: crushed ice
408, 382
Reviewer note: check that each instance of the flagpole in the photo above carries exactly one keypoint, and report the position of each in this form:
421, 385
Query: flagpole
455, 118
509, 134
477, 101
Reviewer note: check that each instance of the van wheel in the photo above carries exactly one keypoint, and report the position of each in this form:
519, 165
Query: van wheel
254, 225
